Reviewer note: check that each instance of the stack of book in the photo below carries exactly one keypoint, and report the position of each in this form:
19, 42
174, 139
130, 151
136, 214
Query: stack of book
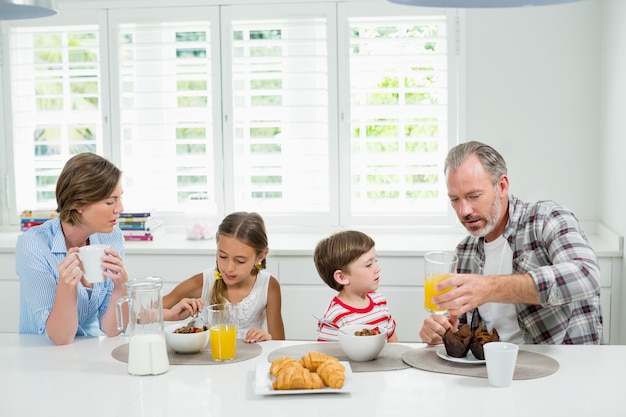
30, 218
140, 225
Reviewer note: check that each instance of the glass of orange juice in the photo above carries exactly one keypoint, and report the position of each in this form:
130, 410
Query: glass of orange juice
438, 266
222, 331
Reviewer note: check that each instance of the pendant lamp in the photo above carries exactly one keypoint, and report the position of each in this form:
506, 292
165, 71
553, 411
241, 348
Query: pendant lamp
26, 9
467, 4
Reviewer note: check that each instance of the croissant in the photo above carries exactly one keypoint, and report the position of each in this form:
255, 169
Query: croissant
282, 363
314, 359
297, 377
332, 373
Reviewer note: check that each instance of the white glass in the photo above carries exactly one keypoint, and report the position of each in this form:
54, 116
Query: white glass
501, 358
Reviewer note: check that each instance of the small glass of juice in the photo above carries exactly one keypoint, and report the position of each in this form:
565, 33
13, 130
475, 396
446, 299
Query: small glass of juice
438, 266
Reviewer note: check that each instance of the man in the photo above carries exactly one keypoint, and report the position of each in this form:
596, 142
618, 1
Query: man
526, 268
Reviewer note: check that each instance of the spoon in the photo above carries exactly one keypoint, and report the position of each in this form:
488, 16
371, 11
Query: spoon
329, 323
196, 322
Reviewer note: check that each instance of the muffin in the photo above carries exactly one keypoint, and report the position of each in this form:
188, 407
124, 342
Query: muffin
479, 338
458, 343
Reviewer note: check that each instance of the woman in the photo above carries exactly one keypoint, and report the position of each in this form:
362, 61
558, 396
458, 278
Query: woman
55, 298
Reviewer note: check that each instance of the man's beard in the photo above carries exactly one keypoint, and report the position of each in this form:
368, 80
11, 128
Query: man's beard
491, 221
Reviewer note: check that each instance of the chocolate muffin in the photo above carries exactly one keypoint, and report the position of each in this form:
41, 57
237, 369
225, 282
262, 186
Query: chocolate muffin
458, 343
479, 338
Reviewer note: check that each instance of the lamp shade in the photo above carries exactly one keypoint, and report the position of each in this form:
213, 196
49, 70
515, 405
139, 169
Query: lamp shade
26, 9
467, 4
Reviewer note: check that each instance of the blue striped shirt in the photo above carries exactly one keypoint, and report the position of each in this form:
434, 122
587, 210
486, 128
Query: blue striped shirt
38, 253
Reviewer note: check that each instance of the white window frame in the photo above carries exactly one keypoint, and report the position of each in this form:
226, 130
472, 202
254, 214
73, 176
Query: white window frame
357, 9
339, 177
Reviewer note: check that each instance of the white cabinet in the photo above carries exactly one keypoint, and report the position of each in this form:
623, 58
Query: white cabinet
172, 268
9, 294
304, 294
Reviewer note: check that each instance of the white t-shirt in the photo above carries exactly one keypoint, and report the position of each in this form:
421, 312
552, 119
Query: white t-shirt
499, 261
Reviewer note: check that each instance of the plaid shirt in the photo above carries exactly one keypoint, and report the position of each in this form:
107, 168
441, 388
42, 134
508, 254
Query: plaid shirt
549, 244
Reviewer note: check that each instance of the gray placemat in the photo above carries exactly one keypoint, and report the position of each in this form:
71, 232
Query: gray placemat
389, 359
244, 352
529, 365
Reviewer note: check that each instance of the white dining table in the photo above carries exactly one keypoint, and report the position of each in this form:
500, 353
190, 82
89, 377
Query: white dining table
83, 379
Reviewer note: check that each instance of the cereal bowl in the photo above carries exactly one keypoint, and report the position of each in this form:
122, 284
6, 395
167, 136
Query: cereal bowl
185, 342
361, 348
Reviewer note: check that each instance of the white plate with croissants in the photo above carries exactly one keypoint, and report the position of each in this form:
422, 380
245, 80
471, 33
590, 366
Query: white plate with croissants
313, 373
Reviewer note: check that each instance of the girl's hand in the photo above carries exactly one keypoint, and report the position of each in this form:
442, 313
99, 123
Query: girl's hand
257, 335
184, 308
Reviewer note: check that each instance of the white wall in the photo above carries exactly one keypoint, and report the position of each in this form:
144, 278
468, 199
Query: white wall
533, 92
547, 87
612, 203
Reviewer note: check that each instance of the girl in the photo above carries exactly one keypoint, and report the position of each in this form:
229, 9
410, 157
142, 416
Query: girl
239, 278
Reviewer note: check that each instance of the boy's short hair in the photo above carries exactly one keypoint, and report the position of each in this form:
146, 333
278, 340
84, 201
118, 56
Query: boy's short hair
337, 252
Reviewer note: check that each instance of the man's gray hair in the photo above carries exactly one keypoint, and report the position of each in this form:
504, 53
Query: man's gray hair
489, 158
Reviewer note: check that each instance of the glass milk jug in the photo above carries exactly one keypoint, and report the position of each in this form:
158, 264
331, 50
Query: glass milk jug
147, 352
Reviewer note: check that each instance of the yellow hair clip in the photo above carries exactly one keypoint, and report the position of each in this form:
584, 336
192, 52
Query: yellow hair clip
218, 274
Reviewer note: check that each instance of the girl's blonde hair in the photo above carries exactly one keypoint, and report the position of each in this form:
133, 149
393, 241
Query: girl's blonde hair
249, 229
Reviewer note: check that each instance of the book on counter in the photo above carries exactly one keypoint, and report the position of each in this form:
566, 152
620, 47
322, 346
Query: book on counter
138, 238
30, 218
140, 226
137, 214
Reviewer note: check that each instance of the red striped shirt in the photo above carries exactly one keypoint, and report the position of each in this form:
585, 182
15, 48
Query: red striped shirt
339, 314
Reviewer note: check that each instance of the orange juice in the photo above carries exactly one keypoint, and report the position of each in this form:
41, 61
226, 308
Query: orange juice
429, 291
223, 342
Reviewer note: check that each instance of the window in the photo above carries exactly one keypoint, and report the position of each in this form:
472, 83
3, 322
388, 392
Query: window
167, 78
276, 87
319, 114
400, 114
56, 101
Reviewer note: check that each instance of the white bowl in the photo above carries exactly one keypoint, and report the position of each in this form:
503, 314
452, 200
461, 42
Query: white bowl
185, 342
361, 348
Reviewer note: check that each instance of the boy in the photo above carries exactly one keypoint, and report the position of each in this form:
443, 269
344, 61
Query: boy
346, 261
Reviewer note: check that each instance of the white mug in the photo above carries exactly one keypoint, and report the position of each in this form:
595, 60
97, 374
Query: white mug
501, 358
91, 257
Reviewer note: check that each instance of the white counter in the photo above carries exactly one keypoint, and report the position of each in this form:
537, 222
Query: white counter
389, 241
83, 379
